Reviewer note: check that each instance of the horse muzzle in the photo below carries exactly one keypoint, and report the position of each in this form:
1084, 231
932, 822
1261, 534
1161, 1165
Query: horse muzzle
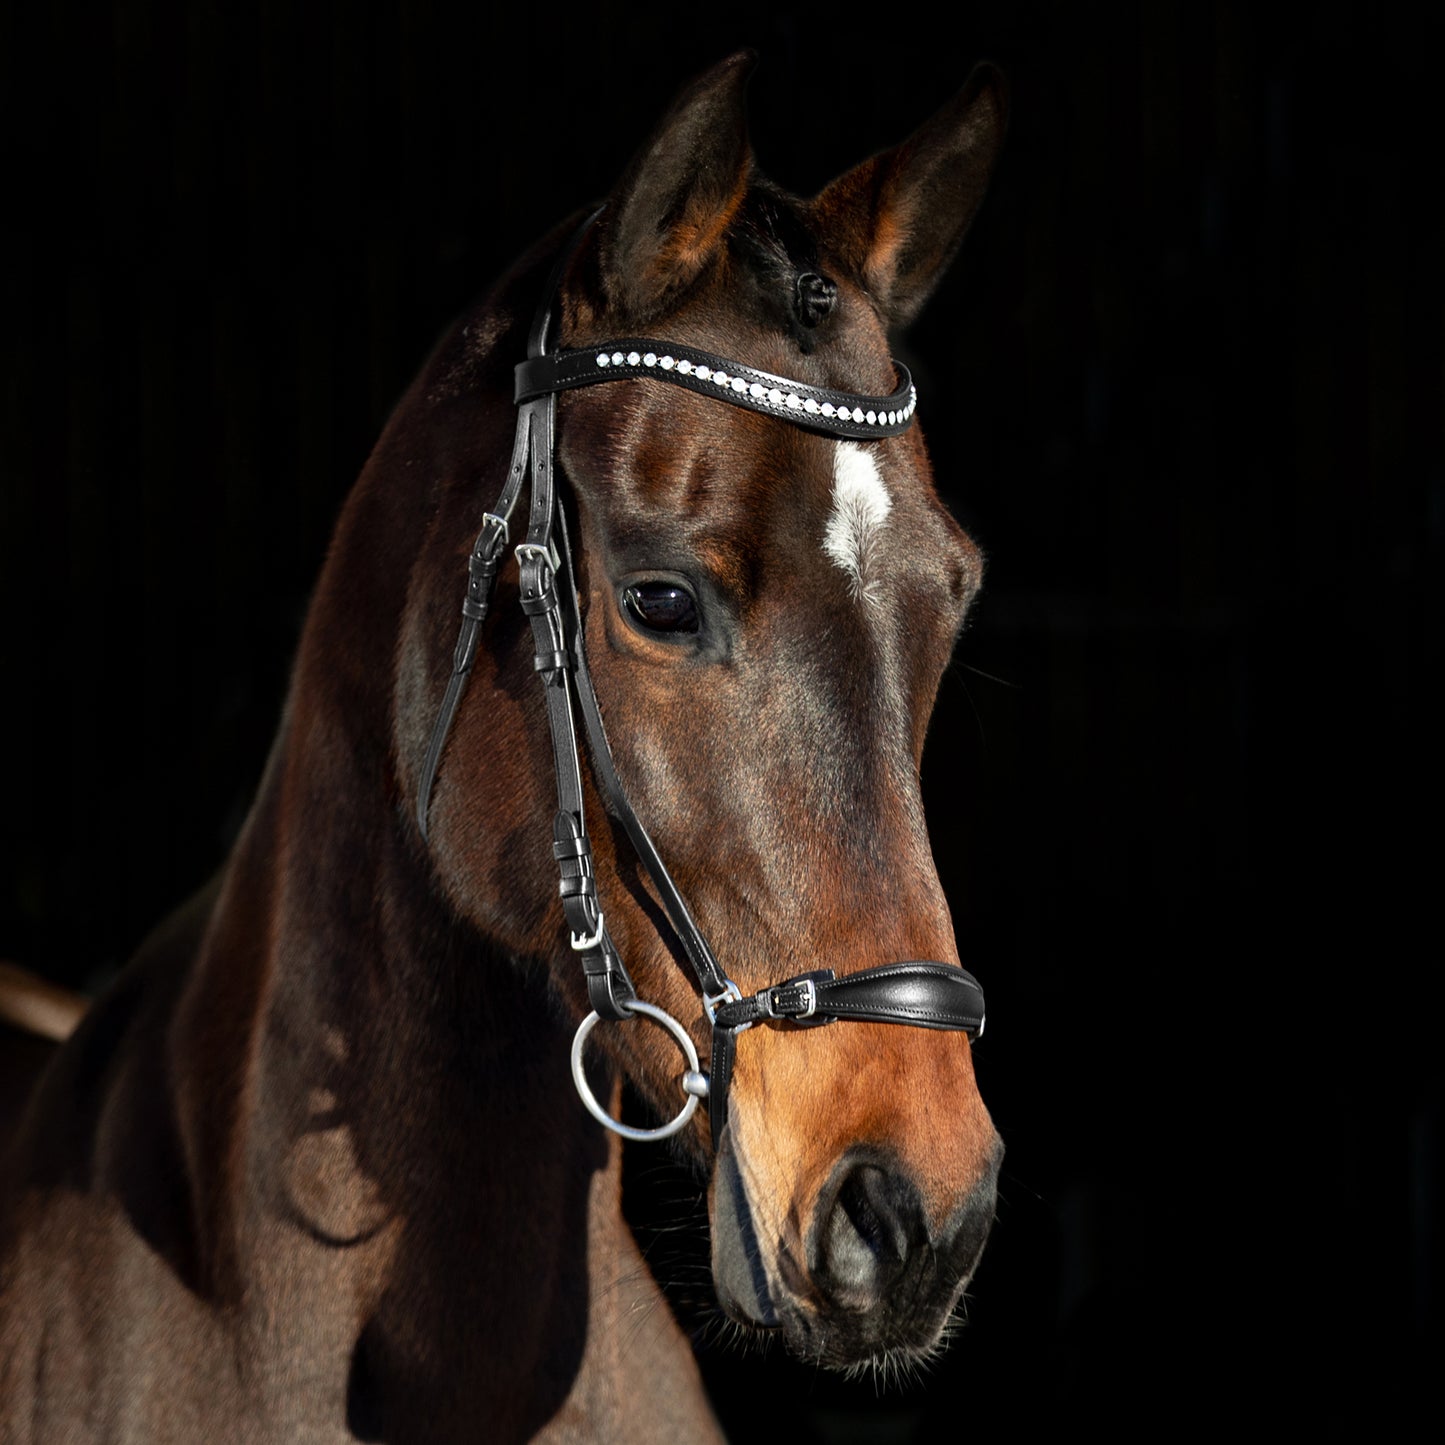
872, 1272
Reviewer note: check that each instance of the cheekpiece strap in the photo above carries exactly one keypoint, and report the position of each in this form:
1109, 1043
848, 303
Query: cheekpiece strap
838, 413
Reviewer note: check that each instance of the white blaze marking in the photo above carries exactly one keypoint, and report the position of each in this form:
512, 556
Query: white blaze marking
860, 505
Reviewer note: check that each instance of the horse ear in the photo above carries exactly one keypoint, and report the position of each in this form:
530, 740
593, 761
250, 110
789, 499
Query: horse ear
898, 218
667, 215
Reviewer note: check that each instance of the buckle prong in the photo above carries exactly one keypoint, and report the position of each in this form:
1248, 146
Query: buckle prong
810, 992
501, 532
581, 942
545, 551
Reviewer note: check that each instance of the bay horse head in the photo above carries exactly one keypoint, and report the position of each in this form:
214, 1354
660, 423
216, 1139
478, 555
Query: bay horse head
314, 1166
766, 595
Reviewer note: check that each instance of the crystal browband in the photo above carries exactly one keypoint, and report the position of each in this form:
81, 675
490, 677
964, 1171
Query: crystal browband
839, 413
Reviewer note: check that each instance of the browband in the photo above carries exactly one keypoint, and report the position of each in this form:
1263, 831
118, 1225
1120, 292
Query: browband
839, 413
922, 994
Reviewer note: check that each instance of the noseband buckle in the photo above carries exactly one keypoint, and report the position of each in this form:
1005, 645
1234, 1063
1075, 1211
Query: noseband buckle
796, 999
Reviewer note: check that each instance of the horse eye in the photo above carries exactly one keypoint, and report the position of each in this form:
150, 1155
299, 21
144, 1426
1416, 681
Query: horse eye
661, 606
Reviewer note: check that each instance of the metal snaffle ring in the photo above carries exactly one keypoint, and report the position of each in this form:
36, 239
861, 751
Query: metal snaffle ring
694, 1082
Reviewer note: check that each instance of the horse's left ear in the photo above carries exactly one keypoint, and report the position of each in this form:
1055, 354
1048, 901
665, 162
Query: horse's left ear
898, 218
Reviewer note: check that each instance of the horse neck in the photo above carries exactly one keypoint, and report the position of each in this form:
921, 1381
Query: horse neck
353, 1057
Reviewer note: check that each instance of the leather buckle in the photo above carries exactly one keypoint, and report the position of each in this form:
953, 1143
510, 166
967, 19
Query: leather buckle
810, 993
495, 536
711, 1002
775, 1003
581, 942
802, 1009
544, 552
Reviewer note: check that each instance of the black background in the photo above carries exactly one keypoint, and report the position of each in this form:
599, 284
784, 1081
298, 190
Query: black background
1185, 387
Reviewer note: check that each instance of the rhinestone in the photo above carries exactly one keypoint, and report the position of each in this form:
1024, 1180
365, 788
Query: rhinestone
684, 366
667, 363
872, 417
603, 358
755, 390
650, 359
776, 397
617, 358
702, 372
794, 400
810, 406
829, 409
892, 418
740, 385
857, 413
633, 358
720, 378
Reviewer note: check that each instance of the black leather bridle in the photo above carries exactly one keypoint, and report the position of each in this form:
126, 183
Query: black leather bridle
924, 994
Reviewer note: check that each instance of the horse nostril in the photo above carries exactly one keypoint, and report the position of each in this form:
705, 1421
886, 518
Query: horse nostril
864, 1243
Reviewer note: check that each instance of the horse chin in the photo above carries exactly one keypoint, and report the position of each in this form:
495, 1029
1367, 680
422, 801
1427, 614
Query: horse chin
855, 1344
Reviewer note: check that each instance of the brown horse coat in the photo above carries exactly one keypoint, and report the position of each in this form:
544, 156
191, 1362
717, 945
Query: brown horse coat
314, 1168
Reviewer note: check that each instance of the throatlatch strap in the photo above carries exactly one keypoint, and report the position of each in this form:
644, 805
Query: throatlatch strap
481, 579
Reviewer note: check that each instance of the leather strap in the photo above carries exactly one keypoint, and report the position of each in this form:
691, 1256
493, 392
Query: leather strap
694, 944
838, 413
486, 551
926, 995
720, 1078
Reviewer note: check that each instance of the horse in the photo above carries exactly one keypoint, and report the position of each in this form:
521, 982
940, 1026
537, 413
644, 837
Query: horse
315, 1167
